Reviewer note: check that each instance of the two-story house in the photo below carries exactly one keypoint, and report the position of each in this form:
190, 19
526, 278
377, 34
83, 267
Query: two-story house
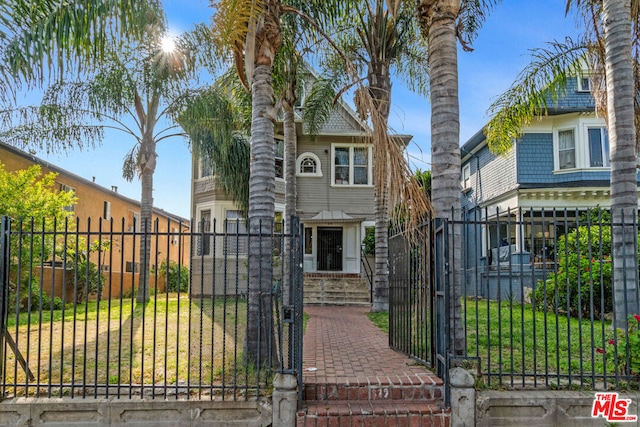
335, 203
559, 168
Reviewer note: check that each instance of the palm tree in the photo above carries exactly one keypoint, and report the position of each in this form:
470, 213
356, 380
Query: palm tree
621, 94
442, 22
134, 90
380, 40
44, 39
545, 78
251, 31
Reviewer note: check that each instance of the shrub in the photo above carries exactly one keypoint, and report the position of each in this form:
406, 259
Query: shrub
370, 241
30, 297
584, 270
578, 279
88, 280
176, 276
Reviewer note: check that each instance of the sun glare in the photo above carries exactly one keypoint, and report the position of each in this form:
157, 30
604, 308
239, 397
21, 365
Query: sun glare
168, 44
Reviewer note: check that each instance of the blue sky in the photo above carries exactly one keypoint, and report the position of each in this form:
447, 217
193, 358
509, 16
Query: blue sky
501, 50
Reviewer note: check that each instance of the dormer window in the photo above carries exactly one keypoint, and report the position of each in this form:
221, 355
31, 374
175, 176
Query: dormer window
308, 164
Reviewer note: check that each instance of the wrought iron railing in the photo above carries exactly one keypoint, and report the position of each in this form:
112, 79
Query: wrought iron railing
544, 299
71, 325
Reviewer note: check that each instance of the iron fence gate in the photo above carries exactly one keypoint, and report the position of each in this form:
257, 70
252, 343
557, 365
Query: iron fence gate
71, 325
411, 314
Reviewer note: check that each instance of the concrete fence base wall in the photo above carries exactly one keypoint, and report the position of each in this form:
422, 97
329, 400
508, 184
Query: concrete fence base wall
66, 412
542, 408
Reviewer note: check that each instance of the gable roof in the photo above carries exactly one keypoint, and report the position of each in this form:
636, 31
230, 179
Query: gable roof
97, 187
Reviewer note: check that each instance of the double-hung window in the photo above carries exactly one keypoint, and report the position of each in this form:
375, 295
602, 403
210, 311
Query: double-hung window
598, 147
566, 149
466, 177
352, 165
236, 231
204, 228
279, 158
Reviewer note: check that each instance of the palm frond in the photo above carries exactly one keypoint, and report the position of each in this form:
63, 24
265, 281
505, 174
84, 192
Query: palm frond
50, 37
537, 87
319, 103
231, 22
473, 13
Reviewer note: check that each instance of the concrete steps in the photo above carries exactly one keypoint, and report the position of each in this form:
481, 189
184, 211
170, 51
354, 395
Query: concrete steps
336, 290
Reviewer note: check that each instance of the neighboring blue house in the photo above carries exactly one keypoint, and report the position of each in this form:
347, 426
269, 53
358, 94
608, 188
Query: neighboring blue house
561, 162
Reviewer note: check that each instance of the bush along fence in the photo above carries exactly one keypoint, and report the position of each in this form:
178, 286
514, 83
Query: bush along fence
538, 304
71, 323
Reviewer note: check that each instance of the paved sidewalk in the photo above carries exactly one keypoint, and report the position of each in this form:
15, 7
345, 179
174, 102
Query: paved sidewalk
345, 347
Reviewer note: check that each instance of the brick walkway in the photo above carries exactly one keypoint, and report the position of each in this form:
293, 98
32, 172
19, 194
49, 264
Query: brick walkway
346, 347
351, 376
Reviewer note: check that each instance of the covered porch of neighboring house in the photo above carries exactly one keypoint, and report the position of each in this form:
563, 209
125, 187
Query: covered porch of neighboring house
333, 259
507, 252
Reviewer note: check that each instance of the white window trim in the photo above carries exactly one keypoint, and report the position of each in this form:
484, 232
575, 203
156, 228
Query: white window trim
333, 166
317, 173
556, 147
466, 183
580, 127
580, 87
199, 171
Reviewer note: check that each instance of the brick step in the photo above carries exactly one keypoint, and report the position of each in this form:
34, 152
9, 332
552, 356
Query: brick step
356, 285
336, 297
424, 389
341, 292
369, 413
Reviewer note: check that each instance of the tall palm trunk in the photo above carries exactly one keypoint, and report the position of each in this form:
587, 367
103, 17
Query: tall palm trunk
622, 134
147, 167
439, 17
290, 191
262, 182
380, 88
146, 163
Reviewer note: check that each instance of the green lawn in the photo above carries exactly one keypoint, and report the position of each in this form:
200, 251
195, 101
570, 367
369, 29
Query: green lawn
167, 341
511, 338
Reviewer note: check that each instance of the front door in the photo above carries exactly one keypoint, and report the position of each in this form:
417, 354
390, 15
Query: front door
330, 248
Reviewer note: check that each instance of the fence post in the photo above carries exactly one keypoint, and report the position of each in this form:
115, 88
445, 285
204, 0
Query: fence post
285, 400
4, 286
463, 398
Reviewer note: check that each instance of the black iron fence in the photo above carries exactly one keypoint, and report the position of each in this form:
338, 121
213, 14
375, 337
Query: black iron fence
71, 323
545, 298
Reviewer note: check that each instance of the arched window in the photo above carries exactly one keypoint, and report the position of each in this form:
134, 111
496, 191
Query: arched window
308, 164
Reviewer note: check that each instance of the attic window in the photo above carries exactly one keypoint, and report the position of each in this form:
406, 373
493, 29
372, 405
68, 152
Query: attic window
308, 164
584, 84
